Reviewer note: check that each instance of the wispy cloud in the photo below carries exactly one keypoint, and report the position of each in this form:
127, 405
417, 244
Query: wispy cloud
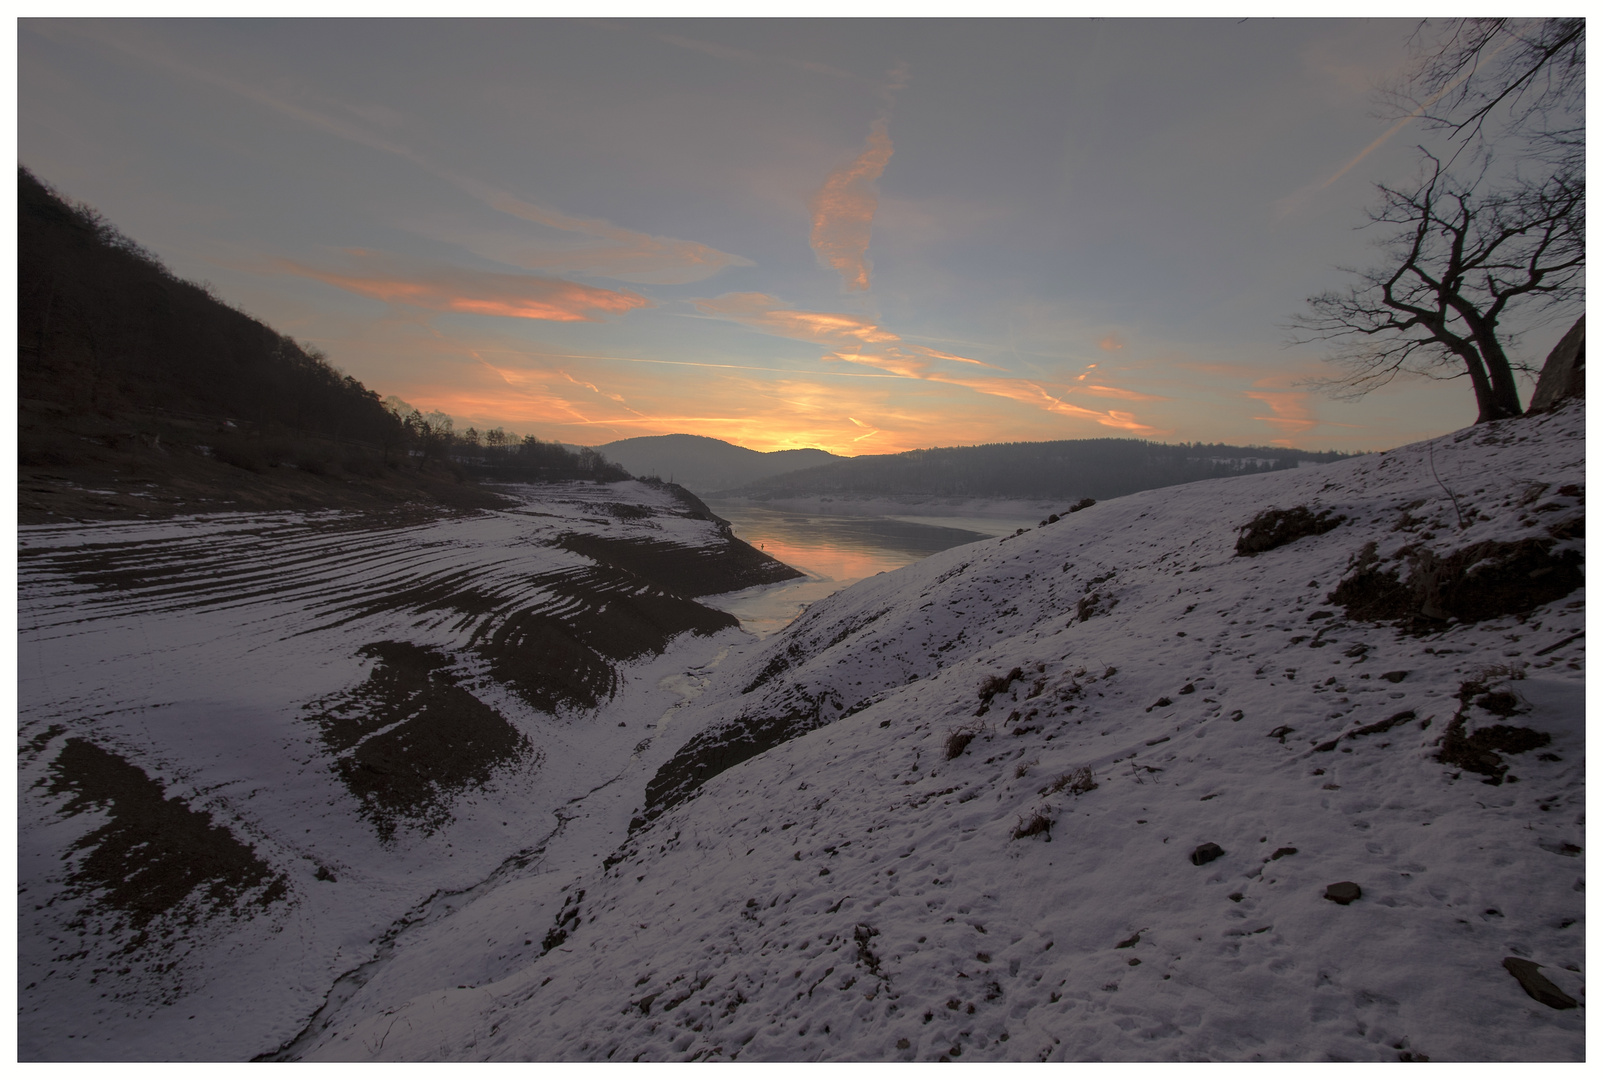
629, 255
446, 288
1292, 411
857, 340
849, 338
1295, 200
843, 211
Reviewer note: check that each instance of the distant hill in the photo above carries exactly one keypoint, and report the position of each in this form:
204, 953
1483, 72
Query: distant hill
703, 465
1067, 469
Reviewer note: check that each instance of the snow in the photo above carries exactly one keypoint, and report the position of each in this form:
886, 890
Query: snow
196, 648
853, 894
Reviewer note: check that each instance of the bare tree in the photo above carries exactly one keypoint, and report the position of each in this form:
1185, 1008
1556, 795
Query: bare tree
1460, 263
1477, 79
1471, 248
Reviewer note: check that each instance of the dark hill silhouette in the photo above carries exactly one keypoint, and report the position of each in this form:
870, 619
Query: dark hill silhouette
703, 464
140, 393
1063, 470
102, 323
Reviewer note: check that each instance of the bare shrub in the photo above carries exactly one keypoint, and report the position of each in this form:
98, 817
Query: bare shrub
1075, 782
957, 739
1039, 822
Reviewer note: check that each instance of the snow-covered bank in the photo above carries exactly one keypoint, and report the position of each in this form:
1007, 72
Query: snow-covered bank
965, 809
258, 750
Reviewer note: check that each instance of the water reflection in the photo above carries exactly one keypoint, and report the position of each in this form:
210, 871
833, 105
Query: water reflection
834, 551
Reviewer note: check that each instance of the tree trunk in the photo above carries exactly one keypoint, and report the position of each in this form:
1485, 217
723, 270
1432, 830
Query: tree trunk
1503, 397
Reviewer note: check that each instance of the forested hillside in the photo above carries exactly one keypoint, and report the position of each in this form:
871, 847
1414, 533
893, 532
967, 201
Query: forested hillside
143, 394
1066, 469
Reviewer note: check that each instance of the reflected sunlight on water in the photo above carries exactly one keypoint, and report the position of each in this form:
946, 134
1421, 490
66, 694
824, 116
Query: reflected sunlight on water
834, 552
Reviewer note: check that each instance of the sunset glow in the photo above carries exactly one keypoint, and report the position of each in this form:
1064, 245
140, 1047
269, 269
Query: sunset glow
865, 236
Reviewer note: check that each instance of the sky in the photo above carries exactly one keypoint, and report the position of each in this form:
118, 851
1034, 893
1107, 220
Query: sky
865, 235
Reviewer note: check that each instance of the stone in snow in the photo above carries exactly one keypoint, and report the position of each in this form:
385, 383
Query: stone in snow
1343, 892
1537, 985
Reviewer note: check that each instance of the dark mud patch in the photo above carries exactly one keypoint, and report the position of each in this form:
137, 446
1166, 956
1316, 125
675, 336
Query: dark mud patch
1481, 751
1275, 528
561, 652
156, 856
409, 739
721, 748
686, 571
1481, 581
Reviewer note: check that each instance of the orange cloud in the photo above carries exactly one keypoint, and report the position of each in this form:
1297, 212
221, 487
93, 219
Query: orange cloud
444, 288
1292, 413
854, 339
843, 211
1111, 343
850, 338
1115, 392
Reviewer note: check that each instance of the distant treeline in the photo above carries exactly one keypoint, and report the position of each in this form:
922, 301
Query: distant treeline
1067, 469
496, 455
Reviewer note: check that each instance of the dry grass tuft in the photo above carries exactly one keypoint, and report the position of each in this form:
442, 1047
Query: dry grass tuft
1039, 822
1075, 782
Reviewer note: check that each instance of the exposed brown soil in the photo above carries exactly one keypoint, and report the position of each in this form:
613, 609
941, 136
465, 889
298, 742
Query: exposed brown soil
155, 856
1481, 581
1480, 751
718, 749
1275, 528
688, 571
409, 738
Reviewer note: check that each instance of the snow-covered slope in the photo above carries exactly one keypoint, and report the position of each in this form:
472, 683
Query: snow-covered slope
256, 747
964, 810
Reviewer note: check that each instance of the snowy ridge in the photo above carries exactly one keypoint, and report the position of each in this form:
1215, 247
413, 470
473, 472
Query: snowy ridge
915, 864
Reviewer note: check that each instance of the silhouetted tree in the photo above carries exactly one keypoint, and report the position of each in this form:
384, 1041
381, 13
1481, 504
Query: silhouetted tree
1473, 246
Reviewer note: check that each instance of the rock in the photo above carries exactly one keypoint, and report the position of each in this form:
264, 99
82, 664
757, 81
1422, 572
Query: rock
1343, 892
1564, 374
1395, 676
1537, 985
1281, 853
1206, 853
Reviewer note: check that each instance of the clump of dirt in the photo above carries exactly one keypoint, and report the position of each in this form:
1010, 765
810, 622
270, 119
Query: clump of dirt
409, 738
1482, 581
1479, 751
1275, 528
155, 855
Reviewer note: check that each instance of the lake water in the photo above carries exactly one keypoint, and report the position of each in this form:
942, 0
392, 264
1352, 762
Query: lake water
835, 551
